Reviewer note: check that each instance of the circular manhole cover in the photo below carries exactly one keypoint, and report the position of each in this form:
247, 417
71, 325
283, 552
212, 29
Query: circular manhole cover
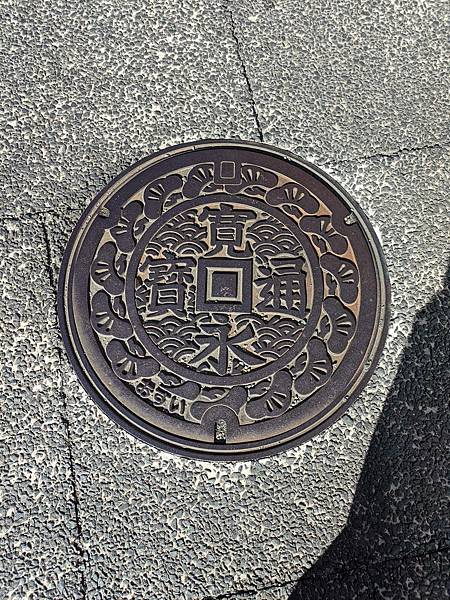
223, 300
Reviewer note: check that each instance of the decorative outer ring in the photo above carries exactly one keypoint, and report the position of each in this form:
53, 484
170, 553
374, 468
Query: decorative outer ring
192, 450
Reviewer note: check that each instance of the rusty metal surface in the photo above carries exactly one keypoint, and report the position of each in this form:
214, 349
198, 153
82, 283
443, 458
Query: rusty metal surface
223, 300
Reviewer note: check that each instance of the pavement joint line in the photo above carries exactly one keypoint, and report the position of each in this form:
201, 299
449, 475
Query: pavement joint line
390, 155
78, 543
340, 572
329, 163
234, 594
39, 213
244, 71
345, 570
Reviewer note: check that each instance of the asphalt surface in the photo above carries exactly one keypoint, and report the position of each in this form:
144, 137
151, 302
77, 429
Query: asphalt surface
362, 510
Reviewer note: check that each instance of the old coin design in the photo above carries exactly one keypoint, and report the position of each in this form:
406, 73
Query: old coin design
223, 300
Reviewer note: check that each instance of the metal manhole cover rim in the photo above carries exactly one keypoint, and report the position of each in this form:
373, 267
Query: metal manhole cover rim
192, 448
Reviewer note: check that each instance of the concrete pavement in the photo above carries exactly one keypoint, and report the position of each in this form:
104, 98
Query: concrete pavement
88, 88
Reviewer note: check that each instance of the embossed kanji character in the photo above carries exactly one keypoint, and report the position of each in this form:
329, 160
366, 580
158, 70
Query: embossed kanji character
283, 287
166, 280
227, 226
218, 346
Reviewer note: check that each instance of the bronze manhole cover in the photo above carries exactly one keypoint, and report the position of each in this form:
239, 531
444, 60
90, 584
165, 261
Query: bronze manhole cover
223, 300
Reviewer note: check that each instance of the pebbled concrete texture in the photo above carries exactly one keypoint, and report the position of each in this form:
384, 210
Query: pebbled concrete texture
411, 578
395, 541
90, 87
92, 513
339, 80
223, 529
40, 556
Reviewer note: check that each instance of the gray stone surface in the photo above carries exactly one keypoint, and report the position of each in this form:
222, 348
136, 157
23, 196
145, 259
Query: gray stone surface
346, 79
89, 88
413, 578
396, 540
225, 528
39, 536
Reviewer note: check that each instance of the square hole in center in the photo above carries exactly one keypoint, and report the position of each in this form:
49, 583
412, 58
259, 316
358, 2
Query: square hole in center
224, 284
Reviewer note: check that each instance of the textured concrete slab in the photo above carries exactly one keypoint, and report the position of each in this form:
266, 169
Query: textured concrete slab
89, 88
40, 558
269, 593
396, 540
202, 530
346, 79
413, 578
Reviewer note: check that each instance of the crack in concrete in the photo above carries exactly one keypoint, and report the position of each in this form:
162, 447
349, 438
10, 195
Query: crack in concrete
339, 572
343, 571
391, 155
264, 588
78, 543
329, 163
31, 214
235, 593
244, 71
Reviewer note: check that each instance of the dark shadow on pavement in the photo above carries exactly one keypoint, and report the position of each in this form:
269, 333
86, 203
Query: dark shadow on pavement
396, 542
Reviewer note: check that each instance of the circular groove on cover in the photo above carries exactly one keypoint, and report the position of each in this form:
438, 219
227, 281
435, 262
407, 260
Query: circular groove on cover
223, 300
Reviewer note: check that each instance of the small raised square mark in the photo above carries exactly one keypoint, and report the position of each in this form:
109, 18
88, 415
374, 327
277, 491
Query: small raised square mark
227, 170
